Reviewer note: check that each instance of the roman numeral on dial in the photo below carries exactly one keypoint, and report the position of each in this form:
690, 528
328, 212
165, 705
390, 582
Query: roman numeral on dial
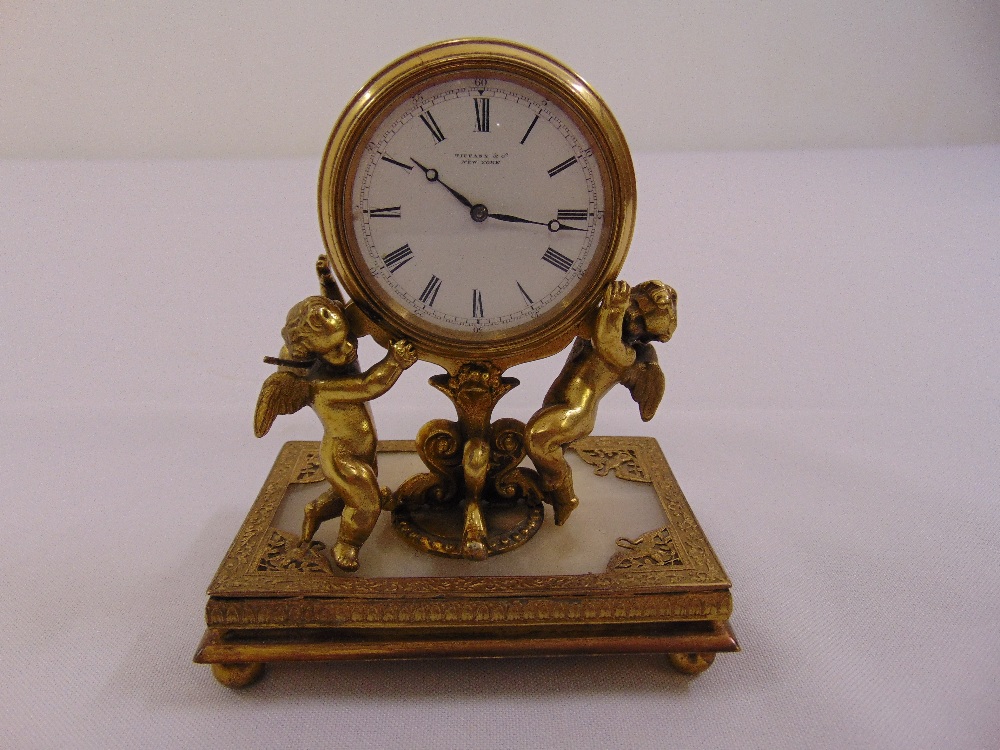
397, 258
392, 212
430, 292
428, 120
562, 167
482, 114
565, 214
557, 259
477, 304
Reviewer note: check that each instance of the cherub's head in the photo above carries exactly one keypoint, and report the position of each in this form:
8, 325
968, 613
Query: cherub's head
317, 326
653, 312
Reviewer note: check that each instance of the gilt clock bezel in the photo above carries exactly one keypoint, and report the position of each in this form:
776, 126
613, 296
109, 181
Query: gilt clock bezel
407, 76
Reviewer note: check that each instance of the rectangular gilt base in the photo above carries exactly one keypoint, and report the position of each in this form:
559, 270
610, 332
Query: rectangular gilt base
630, 572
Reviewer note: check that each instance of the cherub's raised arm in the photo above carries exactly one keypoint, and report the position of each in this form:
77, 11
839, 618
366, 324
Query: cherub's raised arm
327, 284
374, 382
607, 336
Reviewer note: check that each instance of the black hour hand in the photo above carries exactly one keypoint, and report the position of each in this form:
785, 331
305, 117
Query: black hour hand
432, 176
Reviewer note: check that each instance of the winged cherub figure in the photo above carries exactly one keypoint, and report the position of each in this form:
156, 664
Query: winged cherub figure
619, 351
319, 368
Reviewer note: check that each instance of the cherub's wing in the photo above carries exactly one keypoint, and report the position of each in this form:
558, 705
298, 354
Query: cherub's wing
282, 393
645, 382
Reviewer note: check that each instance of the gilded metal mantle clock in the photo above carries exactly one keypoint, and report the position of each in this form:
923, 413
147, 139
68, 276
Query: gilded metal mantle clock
477, 200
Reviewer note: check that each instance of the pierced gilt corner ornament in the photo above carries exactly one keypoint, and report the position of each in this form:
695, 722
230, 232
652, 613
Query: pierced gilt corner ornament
476, 200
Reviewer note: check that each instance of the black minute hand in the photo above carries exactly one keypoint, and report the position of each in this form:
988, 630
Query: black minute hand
515, 219
432, 176
558, 226
554, 226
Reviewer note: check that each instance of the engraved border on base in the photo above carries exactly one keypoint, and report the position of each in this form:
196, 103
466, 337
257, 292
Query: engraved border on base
238, 576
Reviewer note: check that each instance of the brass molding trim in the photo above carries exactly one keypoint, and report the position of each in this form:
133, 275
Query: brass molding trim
458, 613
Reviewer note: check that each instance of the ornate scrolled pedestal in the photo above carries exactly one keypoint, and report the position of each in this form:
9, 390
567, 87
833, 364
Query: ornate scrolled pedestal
476, 500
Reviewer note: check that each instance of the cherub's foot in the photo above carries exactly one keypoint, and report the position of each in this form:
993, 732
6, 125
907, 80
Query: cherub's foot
304, 544
386, 499
563, 508
346, 556
307, 539
309, 526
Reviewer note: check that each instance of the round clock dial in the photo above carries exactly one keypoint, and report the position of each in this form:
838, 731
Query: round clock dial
475, 198
479, 206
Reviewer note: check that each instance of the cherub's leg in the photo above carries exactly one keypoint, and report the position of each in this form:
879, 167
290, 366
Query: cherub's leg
355, 481
326, 506
548, 431
545, 446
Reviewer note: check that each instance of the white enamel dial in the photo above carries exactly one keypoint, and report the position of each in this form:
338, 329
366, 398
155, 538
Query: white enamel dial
477, 206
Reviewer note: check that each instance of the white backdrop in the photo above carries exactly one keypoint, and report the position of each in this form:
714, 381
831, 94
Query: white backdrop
188, 78
832, 409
